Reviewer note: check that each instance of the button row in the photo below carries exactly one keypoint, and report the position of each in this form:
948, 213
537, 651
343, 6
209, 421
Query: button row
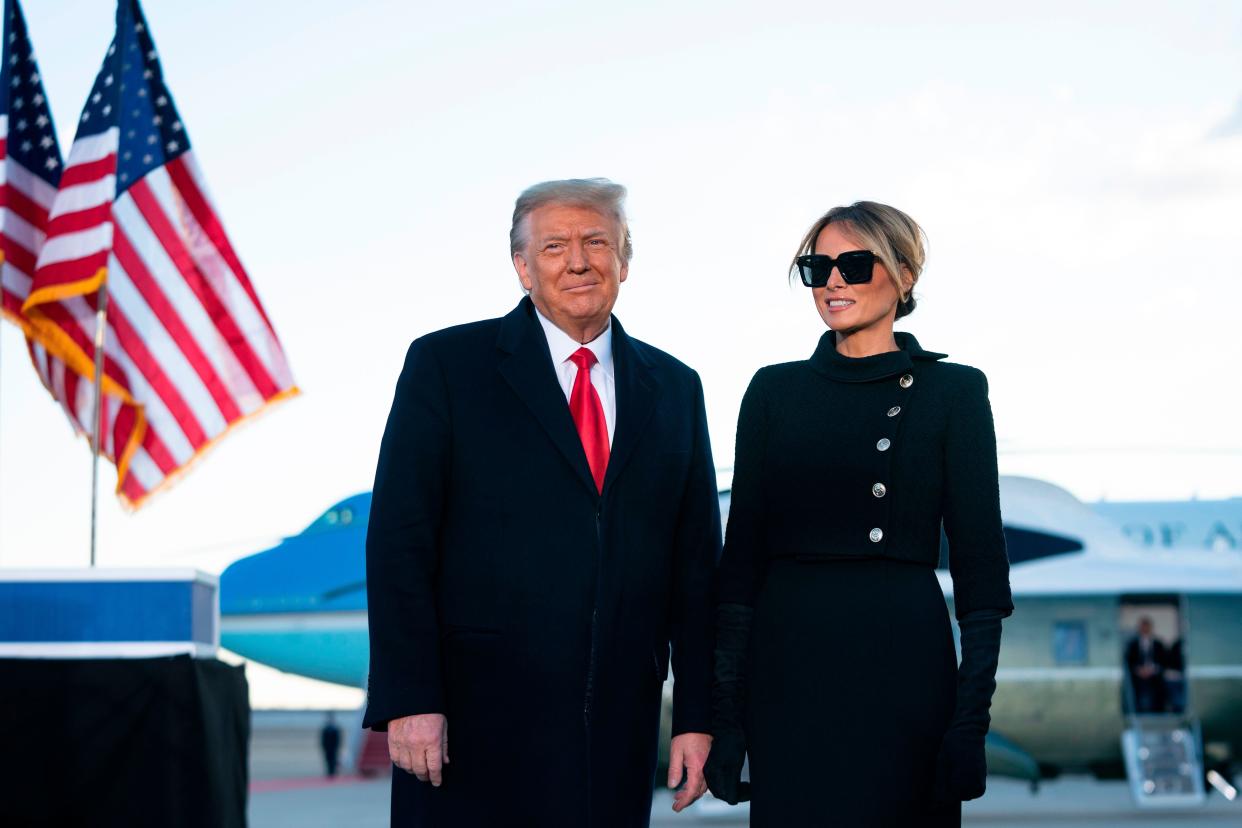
879, 489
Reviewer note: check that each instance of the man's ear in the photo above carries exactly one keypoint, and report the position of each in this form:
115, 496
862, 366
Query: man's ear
519, 264
625, 270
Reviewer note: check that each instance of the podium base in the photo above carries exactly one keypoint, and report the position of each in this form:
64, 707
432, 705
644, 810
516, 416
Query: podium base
124, 742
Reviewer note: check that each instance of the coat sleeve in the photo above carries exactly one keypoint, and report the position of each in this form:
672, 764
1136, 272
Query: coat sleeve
697, 551
742, 562
972, 519
402, 557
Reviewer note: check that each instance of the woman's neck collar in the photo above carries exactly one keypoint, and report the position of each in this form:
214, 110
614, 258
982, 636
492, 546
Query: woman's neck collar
866, 342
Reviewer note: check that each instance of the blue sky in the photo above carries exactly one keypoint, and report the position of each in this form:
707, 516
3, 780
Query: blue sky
1077, 167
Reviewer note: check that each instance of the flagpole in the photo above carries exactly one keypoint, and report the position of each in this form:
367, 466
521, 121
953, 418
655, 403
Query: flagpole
101, 318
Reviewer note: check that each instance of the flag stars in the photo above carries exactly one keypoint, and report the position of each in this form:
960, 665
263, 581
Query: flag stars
151, 139
161, 101
148, 158
16, 82
34, 77
153, 55
51, 163
176, 126
112, 49
157, 120
38, 99
173, 146
86, 116
18, 103
46, 142
97, 97
22, 124
142, 93
107, 110
147, 74
27, 146
108, 81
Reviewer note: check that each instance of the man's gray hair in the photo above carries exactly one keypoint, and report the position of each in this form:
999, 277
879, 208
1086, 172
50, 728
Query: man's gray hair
597, 193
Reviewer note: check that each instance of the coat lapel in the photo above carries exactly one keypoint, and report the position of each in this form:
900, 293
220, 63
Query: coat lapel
528, 370
636, 397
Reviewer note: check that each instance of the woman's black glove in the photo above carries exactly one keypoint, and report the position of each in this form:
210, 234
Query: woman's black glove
724, 764
961, 767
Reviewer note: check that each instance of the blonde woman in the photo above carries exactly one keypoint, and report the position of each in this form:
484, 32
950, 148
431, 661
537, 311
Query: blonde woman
835, 664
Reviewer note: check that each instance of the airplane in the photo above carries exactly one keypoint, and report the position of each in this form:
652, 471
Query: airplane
1198, 524
1079, 584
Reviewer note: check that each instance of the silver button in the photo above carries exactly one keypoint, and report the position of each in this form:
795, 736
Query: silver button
877, 535
906, 381
894, 411
883, 444
879, 490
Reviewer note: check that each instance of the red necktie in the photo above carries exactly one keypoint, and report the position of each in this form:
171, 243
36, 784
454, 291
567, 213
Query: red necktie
588, 414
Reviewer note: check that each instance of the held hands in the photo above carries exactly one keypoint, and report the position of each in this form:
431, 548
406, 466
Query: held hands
961, 767
687, 756
419, 745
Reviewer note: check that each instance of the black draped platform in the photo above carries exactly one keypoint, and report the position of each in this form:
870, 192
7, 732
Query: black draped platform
123, 742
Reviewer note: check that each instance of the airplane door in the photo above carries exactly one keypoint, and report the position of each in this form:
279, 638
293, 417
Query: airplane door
1161, 741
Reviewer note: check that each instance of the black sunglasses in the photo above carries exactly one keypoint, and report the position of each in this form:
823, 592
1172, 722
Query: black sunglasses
856, 267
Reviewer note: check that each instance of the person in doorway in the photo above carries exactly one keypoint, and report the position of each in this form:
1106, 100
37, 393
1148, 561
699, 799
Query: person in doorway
1145, 657
330, 744
835, 664
1174, 676
544, 528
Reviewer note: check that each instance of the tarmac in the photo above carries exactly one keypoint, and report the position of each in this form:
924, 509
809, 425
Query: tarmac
288, 790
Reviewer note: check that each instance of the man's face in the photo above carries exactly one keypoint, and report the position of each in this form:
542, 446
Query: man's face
572, 266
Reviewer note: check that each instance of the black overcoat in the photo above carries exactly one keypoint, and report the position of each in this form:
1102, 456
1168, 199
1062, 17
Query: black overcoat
506, 592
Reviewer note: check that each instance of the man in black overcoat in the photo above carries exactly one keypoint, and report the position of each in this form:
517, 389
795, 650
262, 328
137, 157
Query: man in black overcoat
1145, 661
544, 529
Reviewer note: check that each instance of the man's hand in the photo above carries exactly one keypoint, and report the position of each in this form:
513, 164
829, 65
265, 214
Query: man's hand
687, 756
419, 745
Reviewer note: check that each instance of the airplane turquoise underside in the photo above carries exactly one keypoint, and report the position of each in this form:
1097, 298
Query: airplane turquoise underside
301, 606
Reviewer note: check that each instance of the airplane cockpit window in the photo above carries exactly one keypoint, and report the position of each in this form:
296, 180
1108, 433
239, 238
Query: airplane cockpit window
1024, 545
351, 513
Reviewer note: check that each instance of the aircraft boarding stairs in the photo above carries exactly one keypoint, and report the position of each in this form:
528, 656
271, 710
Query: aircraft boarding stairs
1163, 758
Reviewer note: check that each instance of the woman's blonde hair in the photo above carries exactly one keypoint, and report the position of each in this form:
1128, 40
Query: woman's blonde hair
895, 239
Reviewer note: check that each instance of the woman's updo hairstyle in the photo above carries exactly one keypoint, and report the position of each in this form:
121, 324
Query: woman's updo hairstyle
895, 239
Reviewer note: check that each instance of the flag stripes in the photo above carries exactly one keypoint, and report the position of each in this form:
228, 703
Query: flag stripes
189, 350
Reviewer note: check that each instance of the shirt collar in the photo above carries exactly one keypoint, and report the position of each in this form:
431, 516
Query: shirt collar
561, 345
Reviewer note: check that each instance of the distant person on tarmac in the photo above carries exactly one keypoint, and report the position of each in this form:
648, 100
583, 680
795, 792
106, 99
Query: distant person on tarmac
545, 526
330, 743
1145, 659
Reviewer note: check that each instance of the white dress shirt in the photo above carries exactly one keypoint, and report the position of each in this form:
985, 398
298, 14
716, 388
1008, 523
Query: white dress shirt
562, 346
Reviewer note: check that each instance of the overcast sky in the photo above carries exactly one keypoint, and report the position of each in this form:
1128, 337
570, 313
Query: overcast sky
1077, 167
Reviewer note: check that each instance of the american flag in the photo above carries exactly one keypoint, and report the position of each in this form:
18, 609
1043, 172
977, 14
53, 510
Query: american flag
29, 174
189, 350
